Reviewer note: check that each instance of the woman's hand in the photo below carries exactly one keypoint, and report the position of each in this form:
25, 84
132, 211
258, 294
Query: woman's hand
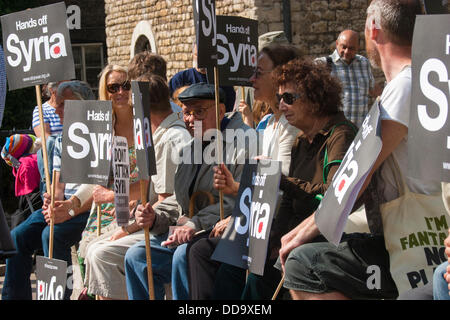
103, 195
247, 115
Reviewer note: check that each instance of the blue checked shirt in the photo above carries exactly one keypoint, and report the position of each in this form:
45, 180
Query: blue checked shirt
356, 79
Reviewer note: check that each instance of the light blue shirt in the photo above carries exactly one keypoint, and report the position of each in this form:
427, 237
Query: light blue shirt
356, 79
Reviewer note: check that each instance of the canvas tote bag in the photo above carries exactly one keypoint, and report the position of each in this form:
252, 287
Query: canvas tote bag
415, 226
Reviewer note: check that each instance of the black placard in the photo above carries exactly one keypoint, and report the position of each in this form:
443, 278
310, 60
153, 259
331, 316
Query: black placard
143, 140
429, 125
86, 142
237, 50
51, 278
246, 238
37, 47
205, 31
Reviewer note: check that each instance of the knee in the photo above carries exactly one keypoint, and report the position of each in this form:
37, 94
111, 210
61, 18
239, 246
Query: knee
132, 255
96, 254
438, 275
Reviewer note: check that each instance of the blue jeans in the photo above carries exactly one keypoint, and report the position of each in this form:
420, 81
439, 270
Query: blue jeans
167, 265
440, 286
31, 235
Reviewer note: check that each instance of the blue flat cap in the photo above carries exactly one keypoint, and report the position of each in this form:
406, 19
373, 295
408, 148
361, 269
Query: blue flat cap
201, 91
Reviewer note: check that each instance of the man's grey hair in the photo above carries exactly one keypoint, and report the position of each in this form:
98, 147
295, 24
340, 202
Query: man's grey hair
79, 88
51, 86
395, 17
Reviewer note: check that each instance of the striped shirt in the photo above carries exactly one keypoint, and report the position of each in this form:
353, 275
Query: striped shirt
69, 188
49, 116
356, 79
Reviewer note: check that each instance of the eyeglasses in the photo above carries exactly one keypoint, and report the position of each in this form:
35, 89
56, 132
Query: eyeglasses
258, 72
199, 114
288, 98
115, 87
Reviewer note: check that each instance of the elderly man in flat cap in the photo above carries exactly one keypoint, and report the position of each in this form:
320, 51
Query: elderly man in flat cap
194, 174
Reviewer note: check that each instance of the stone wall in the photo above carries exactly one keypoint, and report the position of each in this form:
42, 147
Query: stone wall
315, 24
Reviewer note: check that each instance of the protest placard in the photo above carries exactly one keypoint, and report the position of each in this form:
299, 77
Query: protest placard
237, 50
121, 170
143, 140
339, 199
51, 278
205, 31
429, 125
37, 48
145, 157
245, 241
86, 140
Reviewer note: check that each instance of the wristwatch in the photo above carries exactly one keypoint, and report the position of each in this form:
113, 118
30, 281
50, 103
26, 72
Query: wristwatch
71, 212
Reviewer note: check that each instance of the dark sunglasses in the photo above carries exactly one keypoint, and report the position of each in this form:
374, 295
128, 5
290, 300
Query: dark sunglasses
115, 87
288, 98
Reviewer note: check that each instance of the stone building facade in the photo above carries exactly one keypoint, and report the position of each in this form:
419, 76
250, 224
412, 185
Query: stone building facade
169, 25
167, 28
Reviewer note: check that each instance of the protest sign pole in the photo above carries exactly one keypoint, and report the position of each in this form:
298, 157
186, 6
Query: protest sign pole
44, 144
242, 94
99, 220
278, 288
52, 221
151, 289
219, 144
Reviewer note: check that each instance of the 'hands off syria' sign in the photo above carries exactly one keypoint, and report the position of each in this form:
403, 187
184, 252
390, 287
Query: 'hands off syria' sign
37, 47
429, 127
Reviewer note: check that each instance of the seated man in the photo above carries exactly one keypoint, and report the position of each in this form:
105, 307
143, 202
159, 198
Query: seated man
33, 233
192, 175
316, 269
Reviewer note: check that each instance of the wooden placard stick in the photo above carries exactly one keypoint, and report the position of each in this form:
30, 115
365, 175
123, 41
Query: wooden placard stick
52, 220
151, 289
278, 288
242, 94
99, 220
43, 139
219, 141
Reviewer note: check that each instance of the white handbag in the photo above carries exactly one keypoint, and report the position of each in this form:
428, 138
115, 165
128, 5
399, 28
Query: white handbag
415, 226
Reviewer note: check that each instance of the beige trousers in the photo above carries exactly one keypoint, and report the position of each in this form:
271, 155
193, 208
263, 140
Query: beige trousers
105, 272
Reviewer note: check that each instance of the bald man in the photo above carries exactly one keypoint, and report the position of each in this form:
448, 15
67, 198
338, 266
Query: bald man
355, 74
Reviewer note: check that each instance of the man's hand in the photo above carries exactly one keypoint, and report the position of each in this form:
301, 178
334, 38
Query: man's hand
103, 195
219, 228
46, 201
305, 232
224, 181
145, 216
60, 212
181, 235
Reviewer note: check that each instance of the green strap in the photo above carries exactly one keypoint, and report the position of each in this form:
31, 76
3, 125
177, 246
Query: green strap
326, 164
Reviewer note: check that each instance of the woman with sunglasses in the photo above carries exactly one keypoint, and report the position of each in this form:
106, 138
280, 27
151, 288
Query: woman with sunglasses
309, 97
115, 87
